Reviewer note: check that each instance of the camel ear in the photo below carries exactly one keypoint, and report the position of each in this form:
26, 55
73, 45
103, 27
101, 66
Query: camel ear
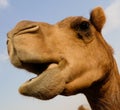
97, 18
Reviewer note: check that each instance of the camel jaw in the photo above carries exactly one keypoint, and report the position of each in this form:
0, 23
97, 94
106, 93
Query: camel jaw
38, 86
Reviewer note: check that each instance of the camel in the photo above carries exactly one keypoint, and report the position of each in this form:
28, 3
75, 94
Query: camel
68, 57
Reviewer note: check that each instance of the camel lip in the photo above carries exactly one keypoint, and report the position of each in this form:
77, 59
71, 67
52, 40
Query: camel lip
38, 79
42, 74
37, 86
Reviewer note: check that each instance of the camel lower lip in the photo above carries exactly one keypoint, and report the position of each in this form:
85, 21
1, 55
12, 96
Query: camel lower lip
39, 88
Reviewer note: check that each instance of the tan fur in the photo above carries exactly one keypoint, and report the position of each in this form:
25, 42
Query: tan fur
69, 57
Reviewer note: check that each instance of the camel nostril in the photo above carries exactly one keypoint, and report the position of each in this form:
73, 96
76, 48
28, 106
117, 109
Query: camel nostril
28, 29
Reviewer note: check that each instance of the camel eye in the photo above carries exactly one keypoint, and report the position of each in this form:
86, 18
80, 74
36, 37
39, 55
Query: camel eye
84, 25
81, 26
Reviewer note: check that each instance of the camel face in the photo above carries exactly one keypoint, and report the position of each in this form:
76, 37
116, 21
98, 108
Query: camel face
66, 57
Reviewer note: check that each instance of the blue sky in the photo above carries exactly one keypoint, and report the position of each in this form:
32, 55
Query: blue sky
13, 11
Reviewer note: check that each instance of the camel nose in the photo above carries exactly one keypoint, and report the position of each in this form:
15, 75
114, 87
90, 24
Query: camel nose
23, 27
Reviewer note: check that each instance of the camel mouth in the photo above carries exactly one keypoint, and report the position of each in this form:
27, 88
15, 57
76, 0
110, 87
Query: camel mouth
38, 86
38, 68
49, 81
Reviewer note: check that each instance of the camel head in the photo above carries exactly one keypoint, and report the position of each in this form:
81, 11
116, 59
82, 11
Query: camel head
67, 57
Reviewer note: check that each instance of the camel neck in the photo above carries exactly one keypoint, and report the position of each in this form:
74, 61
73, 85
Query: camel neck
105, 95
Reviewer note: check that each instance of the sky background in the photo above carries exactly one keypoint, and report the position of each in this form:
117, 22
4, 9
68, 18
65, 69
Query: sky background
51, 11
